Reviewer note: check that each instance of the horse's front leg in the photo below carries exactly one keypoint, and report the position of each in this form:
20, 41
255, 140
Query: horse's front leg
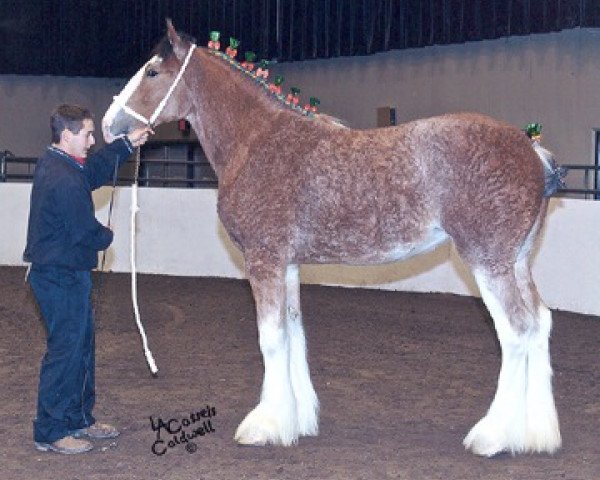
274, 419
307, 403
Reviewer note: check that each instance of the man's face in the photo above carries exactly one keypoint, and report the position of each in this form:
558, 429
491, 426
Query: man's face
79, 143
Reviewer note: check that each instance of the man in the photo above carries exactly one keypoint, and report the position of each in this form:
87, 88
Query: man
63, 241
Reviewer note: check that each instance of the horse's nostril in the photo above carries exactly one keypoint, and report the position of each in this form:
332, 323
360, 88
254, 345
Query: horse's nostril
108, 131
115, 127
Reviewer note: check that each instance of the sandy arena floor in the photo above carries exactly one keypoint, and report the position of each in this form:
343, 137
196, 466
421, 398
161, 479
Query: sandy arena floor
401, 379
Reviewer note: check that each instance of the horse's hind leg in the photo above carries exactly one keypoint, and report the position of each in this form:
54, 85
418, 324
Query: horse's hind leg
274, 419
503, 427
542, 432
522, 416
307, 403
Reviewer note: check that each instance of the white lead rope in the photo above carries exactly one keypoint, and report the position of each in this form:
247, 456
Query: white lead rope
121, 100
136, 309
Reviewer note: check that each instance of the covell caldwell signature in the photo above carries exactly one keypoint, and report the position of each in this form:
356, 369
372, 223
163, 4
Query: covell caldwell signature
182, 431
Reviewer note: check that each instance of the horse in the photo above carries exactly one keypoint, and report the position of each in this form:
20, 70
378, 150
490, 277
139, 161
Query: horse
296, 189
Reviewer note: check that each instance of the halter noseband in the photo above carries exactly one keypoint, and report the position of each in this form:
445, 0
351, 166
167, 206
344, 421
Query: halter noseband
121, 100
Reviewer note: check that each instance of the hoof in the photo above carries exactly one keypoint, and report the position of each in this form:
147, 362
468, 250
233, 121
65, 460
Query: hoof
493, 435
487, 439
260, 428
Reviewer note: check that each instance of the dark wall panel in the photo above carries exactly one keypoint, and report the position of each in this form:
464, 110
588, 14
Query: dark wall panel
111, 38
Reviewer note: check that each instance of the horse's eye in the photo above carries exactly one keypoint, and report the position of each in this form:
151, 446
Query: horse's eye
151, 73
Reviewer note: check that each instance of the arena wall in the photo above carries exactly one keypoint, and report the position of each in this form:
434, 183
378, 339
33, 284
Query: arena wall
179, 233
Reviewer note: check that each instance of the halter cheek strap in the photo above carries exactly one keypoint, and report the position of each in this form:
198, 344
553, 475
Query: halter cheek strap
122, 100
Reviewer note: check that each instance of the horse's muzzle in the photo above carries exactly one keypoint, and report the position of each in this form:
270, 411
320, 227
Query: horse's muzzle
116, 126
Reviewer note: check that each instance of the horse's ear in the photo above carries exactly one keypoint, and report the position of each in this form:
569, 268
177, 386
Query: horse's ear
175, 40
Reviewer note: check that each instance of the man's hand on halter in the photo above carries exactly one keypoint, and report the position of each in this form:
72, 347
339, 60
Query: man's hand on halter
139, 136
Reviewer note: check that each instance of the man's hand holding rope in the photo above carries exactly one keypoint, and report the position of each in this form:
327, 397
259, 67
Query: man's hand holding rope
139, 136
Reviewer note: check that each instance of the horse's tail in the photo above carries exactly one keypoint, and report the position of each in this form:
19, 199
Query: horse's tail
553, 174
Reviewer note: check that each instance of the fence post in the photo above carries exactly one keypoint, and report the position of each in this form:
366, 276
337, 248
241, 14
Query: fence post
3, 156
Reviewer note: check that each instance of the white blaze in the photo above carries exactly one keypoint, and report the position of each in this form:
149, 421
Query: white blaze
122, 98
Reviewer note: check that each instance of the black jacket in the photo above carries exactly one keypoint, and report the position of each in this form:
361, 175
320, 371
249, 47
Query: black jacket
63, 230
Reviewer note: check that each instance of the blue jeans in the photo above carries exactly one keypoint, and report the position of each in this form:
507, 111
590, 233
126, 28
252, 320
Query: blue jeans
66, 393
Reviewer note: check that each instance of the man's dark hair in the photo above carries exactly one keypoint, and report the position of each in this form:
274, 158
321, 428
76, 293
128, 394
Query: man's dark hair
68, 117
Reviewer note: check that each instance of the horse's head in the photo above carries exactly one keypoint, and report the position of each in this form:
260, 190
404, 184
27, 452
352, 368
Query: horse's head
156, 93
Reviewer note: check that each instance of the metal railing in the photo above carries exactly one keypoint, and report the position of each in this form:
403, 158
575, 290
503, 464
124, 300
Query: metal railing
158, 173
199, 174
590, 181
172, 172
23, 170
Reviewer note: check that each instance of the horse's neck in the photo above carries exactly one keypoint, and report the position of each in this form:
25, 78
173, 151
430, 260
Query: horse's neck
229, 112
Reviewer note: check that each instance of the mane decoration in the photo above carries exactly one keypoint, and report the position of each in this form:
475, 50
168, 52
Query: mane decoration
214, 40
261, 74
533, 131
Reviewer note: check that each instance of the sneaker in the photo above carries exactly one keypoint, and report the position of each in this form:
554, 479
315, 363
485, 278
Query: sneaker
68, 445
97, 431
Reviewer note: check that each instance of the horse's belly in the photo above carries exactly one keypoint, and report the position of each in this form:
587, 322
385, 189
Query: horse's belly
370, 251
403, 251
